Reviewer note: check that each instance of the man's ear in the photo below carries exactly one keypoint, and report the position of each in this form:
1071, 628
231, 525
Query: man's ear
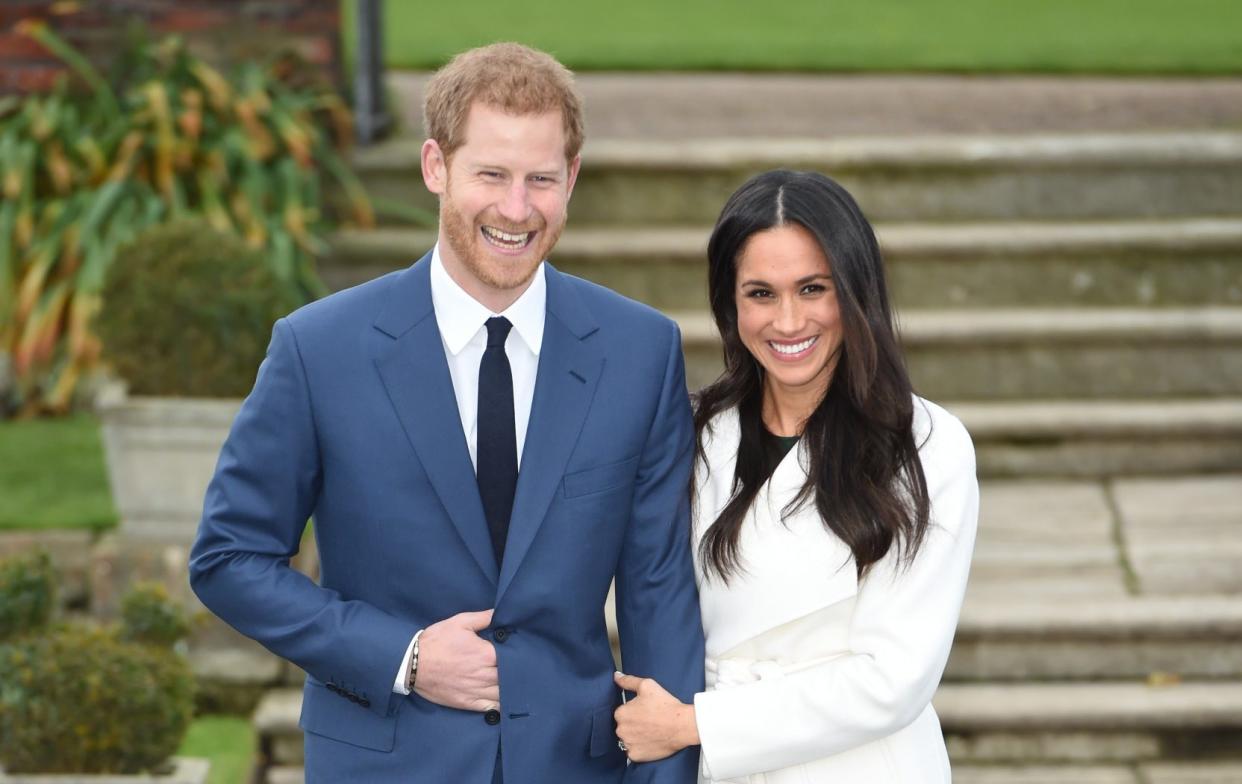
435, 167
574, 165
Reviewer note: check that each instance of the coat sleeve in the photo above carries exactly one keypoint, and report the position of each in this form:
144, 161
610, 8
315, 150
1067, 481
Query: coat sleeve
264, 490
657, 600
899, 640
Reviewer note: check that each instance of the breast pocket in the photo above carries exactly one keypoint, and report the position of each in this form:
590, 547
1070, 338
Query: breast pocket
600, 479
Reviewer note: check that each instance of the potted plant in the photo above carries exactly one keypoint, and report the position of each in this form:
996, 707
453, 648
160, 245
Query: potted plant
187, 314
85, 699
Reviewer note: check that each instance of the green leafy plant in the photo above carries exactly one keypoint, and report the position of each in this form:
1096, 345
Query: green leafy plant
82, 172
79, 699
27, 593
188, 311
149, 616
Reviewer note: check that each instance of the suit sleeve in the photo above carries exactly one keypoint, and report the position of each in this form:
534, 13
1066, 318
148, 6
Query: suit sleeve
657, 600
899, 641
264, 490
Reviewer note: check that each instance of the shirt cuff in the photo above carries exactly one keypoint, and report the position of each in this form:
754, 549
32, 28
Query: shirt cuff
398, 685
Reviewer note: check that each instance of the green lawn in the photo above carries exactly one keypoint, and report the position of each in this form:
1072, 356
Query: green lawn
1038, 36
52, 475
228, 741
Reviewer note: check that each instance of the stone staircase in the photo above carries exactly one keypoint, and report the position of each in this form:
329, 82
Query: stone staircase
1076, 298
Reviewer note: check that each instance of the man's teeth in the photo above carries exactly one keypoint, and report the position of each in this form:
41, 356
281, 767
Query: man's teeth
793, 348
504, 237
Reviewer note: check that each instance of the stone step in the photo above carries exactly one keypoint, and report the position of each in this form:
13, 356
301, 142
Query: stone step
1044, 353
1012, 724
1164, 263
1060, 723
1103, 438
285, 774
1150, 773
937, 178
1183, 772
276, 724
1089, 636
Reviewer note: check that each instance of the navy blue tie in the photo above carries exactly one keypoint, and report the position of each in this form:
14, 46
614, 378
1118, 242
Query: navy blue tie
496, 460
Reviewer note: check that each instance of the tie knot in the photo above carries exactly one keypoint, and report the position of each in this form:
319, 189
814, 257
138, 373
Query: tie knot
497, 330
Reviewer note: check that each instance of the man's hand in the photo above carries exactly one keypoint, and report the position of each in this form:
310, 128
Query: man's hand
654, 724
457, 667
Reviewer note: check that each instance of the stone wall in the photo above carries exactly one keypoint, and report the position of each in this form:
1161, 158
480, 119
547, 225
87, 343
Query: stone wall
222, 32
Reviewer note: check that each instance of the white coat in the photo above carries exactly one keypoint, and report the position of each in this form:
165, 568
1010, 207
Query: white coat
813, 676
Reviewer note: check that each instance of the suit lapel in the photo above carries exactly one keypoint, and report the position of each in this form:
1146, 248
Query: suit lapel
569, 368
416, 376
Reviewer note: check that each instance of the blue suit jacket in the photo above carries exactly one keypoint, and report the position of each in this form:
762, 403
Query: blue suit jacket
353, 420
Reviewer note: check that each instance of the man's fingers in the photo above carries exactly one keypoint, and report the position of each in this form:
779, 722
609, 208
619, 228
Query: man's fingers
483, 704
475, 621
628, 682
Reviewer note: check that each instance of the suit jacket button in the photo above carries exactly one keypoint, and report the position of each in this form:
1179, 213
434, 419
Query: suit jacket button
332, 687
364, 702
352, 697
492, 717
500, 635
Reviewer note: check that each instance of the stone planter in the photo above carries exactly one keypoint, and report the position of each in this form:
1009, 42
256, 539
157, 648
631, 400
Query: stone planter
185, 770
161, 454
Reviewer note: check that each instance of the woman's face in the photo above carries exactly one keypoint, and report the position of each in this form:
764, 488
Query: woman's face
787, 314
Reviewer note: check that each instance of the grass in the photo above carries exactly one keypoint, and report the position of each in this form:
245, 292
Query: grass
965, 36
228, 741
52, 475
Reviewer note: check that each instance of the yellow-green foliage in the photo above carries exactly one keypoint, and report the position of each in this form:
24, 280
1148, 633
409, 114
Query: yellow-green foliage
188, 310
81, 173
148, 616
27, 593
80, 699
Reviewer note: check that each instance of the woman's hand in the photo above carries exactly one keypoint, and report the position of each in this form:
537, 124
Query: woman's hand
654, 724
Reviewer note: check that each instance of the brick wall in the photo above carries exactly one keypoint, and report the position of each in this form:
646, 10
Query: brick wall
223, 31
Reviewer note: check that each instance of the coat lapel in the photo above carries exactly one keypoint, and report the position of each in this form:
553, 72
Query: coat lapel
569, 368
416, 376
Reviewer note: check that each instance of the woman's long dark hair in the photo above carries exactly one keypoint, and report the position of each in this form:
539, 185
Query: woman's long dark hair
865, 475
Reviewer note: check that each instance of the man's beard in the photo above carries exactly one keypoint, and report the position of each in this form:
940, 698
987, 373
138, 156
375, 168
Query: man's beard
494, 270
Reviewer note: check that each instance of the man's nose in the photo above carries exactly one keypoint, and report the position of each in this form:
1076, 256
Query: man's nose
515, 206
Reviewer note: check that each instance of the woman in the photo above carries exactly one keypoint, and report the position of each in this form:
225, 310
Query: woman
834, 514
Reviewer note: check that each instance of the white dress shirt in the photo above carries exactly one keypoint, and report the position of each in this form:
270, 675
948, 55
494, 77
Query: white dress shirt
460, 319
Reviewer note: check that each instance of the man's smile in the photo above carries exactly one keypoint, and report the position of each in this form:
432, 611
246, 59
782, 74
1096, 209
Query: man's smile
506, 240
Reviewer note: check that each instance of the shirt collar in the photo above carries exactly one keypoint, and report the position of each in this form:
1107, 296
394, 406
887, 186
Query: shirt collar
460, 316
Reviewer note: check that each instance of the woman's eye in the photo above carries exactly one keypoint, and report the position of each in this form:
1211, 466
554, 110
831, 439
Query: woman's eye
814, 288
758, 293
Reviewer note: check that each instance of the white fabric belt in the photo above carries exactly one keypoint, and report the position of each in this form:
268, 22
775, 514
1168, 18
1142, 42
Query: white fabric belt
729, 671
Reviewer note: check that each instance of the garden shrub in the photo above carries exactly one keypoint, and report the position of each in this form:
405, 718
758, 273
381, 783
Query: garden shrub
79, 699
148, 616
27, 593
188, 311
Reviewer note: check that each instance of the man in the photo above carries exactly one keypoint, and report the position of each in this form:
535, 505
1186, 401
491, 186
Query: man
483, 442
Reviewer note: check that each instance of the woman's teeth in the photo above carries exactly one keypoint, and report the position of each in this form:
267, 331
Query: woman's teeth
793, 348
504, 239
